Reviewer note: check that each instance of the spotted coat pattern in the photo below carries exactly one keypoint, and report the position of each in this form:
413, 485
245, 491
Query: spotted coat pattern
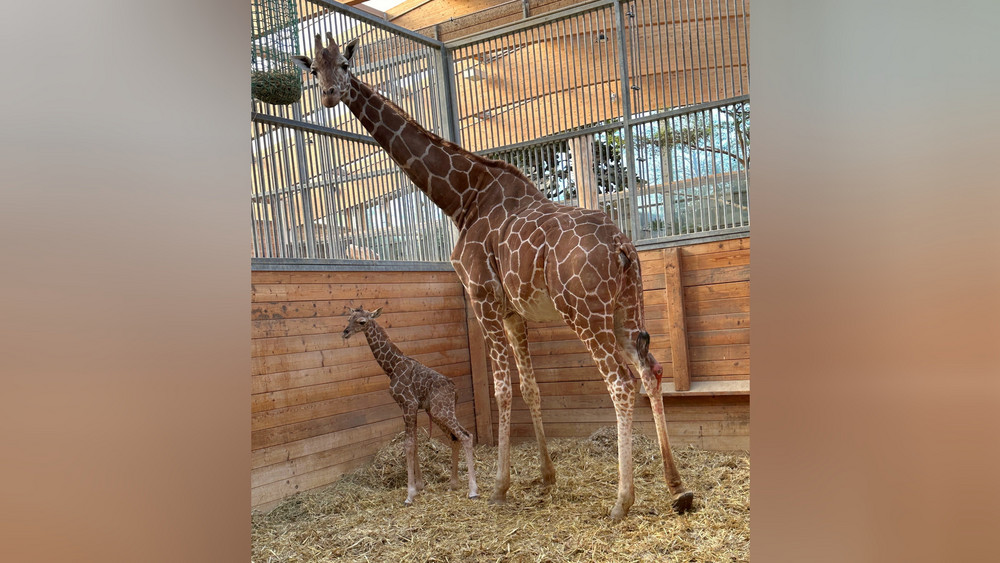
524, 258
415, 386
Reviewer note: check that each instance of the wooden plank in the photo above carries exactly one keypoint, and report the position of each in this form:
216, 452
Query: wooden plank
709, 388
314, 462
353, 278
337, 307
676, 318
335, 325
331, 358
730, 290
388, 321
319, 291
676, 430
260, 347
359, 373
721, 352
284, 398
717, 246
340, 405
718, 337
721, 367
480, 379
715, 260
299, 431
727, 321
695, 308
276, 491
716, 275
283, 452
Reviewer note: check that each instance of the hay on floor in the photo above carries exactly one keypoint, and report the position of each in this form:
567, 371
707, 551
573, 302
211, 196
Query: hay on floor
362, 517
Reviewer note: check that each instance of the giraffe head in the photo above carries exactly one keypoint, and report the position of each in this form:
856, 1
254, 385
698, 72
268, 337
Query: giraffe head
330, 67
358, 320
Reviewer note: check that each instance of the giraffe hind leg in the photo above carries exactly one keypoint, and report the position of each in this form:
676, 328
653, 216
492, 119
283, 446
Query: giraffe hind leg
460, 439
633, 344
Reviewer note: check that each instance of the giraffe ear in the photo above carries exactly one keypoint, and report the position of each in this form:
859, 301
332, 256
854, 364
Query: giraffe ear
376, 313
350, 48
303, 62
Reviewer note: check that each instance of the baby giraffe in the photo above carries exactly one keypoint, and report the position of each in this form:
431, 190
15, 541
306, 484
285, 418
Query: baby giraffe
415, 386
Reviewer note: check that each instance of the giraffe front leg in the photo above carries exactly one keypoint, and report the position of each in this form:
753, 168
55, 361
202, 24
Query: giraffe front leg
410, 446
518, 338
471, 463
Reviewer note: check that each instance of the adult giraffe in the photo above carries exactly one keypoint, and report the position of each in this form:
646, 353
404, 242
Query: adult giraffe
522, 258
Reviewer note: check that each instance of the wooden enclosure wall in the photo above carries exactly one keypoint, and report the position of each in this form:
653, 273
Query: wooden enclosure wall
320, 404
715, 281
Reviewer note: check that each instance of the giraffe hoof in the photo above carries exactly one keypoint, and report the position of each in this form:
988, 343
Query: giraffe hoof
683, 502
473, 496
618, 513
498, 500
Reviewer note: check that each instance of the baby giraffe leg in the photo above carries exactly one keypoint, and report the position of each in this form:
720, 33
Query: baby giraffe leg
471, 462
453, 484
410, 445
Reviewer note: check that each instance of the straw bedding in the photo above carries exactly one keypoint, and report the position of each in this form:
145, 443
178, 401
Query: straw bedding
362, 517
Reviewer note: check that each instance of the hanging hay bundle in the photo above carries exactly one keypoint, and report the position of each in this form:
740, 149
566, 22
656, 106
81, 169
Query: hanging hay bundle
274, 38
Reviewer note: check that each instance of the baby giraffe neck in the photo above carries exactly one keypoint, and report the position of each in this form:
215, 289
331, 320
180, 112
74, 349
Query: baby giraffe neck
386, 353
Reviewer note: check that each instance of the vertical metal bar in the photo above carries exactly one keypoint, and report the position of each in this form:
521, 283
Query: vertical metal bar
303, 186
729, 53
491, 51
696, 53
746, 38
514, 91
627, 119
451, 113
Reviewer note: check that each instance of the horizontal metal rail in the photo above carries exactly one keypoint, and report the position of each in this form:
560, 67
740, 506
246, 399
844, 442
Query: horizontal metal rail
617, 124
310, 127
534, 21
694, 108
372, 20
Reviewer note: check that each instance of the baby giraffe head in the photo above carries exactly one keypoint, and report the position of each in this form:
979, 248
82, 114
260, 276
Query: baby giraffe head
359, 319
329, 65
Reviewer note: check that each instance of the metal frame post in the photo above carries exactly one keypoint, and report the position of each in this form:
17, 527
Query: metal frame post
626, 97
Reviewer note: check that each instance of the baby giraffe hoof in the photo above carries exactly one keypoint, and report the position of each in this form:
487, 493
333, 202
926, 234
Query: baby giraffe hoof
499, 501
683, 502
474, 496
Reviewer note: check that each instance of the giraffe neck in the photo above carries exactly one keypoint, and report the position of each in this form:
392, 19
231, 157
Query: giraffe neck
453, 178
387, 354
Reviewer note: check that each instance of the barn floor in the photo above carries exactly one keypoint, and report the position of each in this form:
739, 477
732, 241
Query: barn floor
362, 517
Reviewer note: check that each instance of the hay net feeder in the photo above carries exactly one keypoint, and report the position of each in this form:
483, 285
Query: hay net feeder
274, 39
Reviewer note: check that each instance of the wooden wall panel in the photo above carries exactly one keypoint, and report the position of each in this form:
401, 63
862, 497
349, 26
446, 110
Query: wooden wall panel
320, 405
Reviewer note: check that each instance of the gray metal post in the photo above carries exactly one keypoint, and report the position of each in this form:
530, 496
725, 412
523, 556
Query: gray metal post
626, 101
300, 160
447, 96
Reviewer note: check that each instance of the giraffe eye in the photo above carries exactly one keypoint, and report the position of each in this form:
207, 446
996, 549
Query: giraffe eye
312, 72
344, 66
362, 321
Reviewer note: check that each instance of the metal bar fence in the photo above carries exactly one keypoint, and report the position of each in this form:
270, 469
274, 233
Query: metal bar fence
321, 187
636, 107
